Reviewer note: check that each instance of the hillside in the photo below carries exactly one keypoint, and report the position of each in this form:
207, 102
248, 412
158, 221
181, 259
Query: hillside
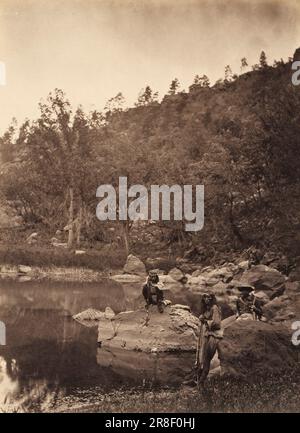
219, 136
240, 138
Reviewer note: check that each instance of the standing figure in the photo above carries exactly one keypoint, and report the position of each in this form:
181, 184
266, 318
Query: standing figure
151, 292
210, 334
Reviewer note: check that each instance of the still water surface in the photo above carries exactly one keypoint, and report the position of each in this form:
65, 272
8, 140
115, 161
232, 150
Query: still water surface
46, 348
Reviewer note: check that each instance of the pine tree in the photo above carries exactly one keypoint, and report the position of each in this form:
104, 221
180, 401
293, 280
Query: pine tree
228, 73
146, 96
115, 104
174, 86
263, 60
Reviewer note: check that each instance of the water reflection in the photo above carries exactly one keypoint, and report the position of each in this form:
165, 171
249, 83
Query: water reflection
47, 350
147, 368
8, 381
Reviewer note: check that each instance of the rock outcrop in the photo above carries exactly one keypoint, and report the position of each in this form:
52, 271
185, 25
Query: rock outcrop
252, 348
265, 278
173, 330
93, 315
284, 308
176, 274
134, 266
22, 269
248, 347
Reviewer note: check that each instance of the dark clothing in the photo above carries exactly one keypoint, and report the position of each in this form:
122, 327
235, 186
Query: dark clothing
212, 317
211, 346
152, 294
248, 305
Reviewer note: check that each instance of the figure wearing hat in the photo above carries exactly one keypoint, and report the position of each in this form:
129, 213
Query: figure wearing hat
152, 292
247, 304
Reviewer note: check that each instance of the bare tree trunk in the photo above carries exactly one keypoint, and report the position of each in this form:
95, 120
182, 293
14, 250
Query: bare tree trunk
126, 236
71, 218
79, 225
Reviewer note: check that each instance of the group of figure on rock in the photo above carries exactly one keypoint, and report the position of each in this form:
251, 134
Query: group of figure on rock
210, 332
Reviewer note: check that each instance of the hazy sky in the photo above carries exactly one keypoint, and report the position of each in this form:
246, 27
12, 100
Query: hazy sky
93, 49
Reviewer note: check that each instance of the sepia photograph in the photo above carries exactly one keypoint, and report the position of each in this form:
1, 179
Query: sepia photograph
150, 209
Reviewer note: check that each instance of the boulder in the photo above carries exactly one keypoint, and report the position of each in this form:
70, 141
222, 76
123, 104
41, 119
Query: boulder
199, 280
207, 269
176, 274
173, 330
232, 267
262, 296
167, 279
283, 308
156, 262
224, 274
91, 316
292, 287
134, 266
244, 265
197, 273
264, 278
250, 348
220, 288
187, 268
212, 281
22, 269
159, 271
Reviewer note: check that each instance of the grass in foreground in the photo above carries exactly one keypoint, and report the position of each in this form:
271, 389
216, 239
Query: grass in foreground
264, 394
272, 393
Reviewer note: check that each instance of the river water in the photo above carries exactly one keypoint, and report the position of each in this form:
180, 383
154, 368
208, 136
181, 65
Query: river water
49, 353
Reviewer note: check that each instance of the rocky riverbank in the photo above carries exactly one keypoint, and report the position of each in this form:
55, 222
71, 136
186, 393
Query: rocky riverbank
248, 347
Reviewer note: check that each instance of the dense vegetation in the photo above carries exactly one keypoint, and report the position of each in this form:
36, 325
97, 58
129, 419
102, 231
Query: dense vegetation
239, 137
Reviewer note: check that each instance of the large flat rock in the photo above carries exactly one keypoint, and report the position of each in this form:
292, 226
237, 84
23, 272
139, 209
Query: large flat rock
173, 330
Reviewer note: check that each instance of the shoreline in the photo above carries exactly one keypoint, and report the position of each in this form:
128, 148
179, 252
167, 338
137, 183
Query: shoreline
55, 273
